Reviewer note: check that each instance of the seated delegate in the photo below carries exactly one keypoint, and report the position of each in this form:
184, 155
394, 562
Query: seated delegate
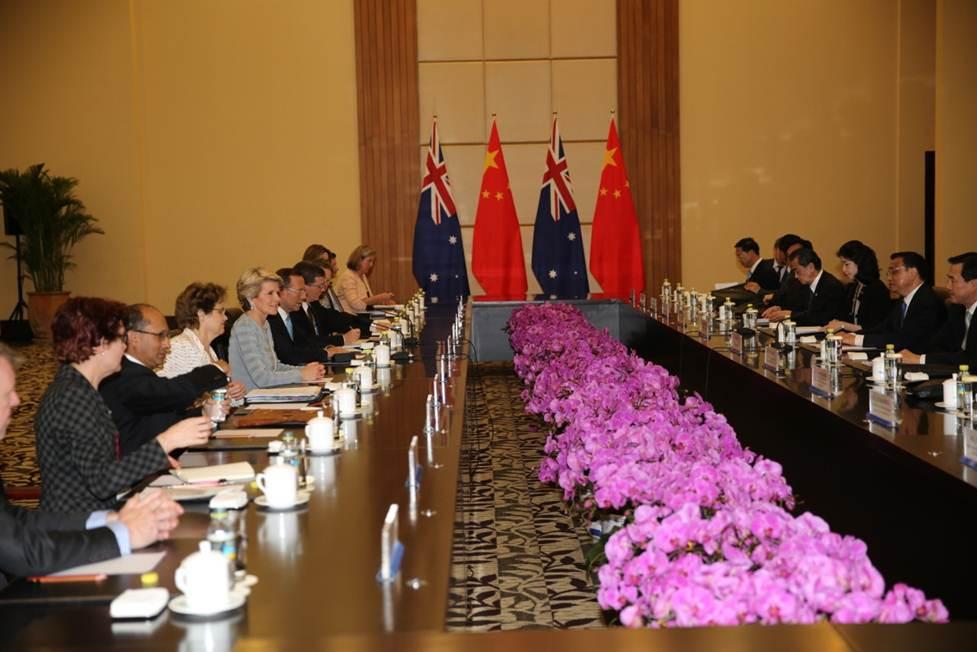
200, 312
825, 294
78, 446
142, 403
353, 285
956, 341
292, 345
867, 299
37, 542
252, 349
329, 325
791, 295
760, 273
913, 319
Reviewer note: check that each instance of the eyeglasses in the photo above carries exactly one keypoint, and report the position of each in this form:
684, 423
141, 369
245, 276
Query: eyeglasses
892, 270
162, 336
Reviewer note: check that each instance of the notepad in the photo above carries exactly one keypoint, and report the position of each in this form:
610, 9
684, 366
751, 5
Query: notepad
283, 394
248, 433
233, 472
807, 330
134, 564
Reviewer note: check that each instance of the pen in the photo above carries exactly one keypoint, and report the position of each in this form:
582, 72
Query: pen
66, 579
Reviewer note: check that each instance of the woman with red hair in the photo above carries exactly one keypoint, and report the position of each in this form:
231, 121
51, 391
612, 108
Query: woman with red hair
78, 448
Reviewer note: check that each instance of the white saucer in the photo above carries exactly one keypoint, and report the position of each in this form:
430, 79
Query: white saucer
235, 601
370, 389
326, 452
302, 499
942, 406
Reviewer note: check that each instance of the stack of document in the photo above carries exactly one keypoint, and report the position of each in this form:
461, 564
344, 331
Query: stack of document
218, 473
299, 393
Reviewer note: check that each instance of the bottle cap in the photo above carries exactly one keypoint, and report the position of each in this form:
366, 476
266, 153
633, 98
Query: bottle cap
149, 579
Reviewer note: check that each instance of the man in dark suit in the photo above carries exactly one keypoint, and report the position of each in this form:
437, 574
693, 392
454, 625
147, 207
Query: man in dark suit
291, 346
956, 341
761, 275
791, 295
913, 320
825, 294
34, 542
143, 404
313, 320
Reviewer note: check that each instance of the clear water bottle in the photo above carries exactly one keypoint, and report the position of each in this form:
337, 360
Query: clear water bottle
892, 362
290, 451
965, 392
222, 535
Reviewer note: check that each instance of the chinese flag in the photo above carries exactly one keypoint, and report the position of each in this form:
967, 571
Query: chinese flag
497, 260
615, 243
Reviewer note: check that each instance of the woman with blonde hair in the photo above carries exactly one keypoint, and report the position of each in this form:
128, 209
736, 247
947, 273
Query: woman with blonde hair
353, 285
252, 349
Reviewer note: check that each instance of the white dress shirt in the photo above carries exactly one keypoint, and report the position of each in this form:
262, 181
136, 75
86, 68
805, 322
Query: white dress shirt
187, 353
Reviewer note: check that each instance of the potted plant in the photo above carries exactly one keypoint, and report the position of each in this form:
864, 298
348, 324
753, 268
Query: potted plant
52, 220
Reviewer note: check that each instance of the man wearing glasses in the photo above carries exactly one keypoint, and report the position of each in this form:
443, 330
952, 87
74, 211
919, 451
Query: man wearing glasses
956, 342
142, 403
914, 318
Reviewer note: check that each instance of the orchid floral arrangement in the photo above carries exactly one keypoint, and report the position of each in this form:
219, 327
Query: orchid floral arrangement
708, 535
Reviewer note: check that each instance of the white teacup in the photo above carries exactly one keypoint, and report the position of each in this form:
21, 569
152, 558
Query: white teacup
366, 378
319, 431
382, 355
279, 483
205, 579
347, 400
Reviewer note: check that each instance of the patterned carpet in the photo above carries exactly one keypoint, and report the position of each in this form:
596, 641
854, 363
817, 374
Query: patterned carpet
18, 459
518, 560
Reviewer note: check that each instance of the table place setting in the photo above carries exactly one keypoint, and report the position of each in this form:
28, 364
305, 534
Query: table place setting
205, 579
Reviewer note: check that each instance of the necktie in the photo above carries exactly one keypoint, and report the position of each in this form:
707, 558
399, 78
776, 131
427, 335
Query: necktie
903, 307
967, 317
810, 299
308, 314
288, 327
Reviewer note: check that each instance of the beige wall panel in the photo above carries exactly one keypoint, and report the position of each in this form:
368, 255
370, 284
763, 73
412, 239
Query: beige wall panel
449, 30
467, 235
519, 92
465, 170
917, 114
956, 106
262, 149
585, 160
780, 133
517, 29
584, 28
584, 94
69, 105
456, 93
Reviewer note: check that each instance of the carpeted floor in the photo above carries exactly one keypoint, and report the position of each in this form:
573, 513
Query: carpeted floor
18, 458
518, 560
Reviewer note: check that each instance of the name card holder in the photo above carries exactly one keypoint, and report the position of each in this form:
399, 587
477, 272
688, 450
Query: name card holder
391, 549
821, 382
413, 468
705, 326
969, 446
882, 409
771, 359
736, 343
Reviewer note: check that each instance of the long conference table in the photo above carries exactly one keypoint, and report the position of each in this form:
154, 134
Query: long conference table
316, 566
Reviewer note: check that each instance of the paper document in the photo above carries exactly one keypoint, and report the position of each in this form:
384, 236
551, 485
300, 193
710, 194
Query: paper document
218, 473
857, 355
282, 406
807, 330
134, 564
248, 433
808, 339
283, 394
723, 286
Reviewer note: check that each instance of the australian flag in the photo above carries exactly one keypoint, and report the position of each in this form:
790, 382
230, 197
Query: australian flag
558, 260
439, 256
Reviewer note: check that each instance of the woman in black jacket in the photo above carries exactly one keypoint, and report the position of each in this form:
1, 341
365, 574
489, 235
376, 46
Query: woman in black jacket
868, 297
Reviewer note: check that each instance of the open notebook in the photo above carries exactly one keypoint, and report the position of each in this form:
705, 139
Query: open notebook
234, 472
304, 393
